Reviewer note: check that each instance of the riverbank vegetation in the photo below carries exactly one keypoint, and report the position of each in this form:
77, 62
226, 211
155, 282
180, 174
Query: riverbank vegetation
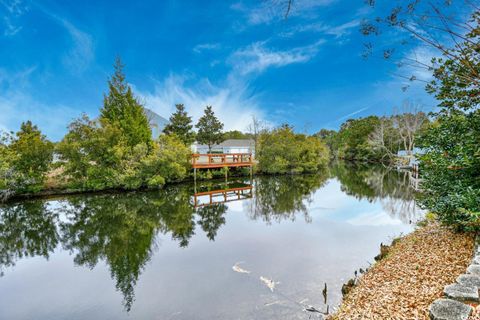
117, 150
450, 164
419, 266
377, 139
282, 151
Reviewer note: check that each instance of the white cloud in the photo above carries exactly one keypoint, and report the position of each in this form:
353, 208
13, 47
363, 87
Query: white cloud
205, 46
14, 9
81, 53
256, 57
320, 27
270, 11
351, 114
10, 29
17, 105
343, 29
231, 103
416, 63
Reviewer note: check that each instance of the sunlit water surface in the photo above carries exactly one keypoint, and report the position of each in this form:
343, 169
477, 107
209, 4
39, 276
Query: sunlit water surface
155, 255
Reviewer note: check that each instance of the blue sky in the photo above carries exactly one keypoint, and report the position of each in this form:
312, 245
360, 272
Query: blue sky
240, 56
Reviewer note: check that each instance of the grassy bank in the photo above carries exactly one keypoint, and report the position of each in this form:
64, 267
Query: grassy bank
410, 277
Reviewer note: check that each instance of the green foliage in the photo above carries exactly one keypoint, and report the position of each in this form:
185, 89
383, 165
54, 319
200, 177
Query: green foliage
116, 151
328, 137
6, 157
98, 157
122, 110
209, 129
168, 162
91, 154
456, 75
450, 167
181, 125
27, 157
352, 140
283, 151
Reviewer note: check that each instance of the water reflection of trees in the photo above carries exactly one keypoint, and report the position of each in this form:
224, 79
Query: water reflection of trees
211, 218
27, 229
278, 198
119, 229
378, 183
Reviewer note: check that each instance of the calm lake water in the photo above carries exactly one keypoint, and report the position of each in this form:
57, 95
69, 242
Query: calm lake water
170, 255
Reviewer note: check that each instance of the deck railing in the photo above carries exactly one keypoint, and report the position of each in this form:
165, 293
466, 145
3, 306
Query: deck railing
213, 160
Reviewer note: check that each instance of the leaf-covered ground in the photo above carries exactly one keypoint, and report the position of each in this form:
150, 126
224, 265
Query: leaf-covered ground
402, 285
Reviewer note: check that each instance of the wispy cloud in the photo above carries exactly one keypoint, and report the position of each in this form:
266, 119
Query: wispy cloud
231, 102
81, 52
13, 10
320, 27
17, 105
351, 114
205, 46
256, 57
10, 29
269, 11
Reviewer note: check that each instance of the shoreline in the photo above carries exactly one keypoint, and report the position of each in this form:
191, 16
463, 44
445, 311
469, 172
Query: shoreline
58, 192
413, 274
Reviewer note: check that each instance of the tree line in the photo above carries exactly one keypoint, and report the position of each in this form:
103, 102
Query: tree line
377, 139
117, 150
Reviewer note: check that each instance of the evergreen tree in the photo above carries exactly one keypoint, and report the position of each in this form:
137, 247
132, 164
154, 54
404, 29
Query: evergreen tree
209, 129
181, 125
121, 109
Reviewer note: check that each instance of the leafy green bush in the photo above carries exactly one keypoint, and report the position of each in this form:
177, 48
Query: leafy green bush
283, 151
26, 159
451, 169
97, 157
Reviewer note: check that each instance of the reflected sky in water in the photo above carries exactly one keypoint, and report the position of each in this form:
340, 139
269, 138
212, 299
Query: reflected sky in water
154, 255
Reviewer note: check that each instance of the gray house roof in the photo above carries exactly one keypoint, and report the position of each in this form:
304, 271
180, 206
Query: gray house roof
157, 122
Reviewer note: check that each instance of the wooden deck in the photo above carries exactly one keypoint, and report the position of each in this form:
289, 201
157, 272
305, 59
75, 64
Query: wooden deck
208, 198
213, 160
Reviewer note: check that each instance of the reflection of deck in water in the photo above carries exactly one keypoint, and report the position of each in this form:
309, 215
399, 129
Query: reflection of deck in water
213, 197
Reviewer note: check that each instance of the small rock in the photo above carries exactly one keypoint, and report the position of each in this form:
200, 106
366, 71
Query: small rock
474, 269
347, 287
476, 259
446, 309
461, 293
469, 280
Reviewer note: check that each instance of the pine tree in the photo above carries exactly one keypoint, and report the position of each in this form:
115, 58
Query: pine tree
181, 125
209, 129
122, 109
